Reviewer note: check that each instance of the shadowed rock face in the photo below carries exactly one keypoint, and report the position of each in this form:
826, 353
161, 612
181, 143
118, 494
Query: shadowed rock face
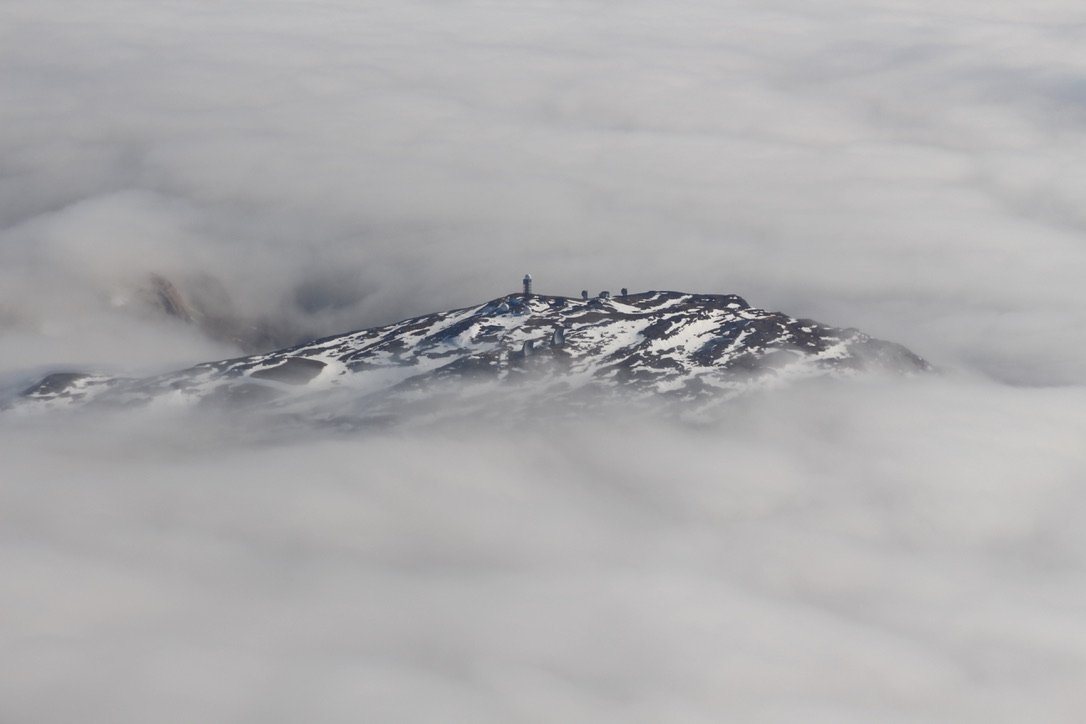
69, 387
56, 384
205, 303
293, 371
669, 347
169, 298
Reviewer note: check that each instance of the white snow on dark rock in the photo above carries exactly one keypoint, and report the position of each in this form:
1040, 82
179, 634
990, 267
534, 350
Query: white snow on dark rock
667, 346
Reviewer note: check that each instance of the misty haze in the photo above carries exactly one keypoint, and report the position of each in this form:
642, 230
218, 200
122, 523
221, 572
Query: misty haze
283, 438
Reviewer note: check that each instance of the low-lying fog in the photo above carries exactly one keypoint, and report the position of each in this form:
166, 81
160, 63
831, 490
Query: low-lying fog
901, 553
884, 551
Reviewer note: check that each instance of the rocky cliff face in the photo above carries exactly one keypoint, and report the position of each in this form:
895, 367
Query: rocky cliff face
666, 348
204, 302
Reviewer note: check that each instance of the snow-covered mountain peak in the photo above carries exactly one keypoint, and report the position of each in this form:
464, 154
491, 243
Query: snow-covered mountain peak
671, 347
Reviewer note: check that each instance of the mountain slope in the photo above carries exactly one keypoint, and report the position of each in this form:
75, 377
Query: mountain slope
668, 346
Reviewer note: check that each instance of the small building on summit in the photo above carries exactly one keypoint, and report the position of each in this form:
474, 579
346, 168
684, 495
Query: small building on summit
527, 285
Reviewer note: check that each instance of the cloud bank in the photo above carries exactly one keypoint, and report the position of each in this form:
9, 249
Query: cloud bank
911, 171
899, 552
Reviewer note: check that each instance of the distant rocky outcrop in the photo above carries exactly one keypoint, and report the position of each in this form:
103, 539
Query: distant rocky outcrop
204, 302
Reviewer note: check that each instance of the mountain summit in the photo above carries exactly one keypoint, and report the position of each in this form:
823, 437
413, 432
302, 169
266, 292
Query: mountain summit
669, 347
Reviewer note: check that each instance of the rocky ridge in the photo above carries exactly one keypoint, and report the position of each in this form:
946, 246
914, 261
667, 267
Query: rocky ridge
670, 348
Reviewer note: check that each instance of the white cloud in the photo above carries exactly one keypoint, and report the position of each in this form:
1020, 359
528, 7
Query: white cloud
884, 165
846, 553
909, 170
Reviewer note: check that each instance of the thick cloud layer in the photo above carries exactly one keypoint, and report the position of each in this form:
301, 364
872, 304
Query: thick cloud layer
899, 554
884, 552
910, 170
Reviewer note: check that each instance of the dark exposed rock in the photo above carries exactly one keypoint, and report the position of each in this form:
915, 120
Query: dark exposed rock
292, 370
170, 299
57, 383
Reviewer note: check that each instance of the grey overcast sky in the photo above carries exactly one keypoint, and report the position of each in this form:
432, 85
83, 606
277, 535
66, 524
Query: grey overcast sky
892, 552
